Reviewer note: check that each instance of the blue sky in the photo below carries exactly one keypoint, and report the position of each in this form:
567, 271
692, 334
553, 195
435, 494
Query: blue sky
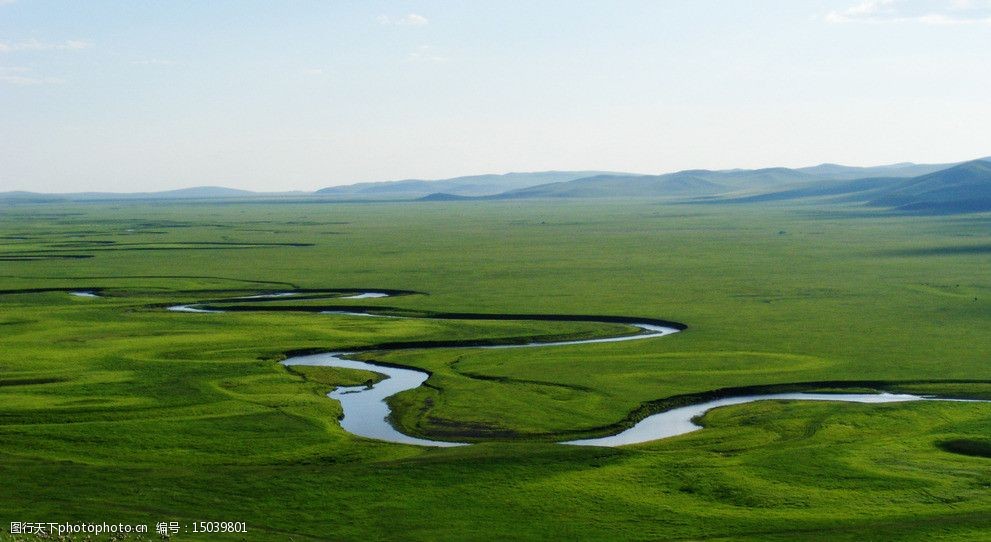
131, 96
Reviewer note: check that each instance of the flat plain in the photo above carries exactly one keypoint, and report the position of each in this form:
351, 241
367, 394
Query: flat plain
115, 409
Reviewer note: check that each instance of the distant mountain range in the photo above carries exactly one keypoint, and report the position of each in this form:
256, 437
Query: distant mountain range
904, 169
695, 182
960, 188
198, 192
473, 186
703, 182
909, 187
929, 188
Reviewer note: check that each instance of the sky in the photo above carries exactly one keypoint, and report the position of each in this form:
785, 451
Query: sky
299, 95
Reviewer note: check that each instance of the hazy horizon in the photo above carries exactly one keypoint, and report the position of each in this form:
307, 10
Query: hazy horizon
118, 97
263, 190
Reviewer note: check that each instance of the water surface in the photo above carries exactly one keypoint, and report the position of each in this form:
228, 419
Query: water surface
678, 421
365, 411
367, 414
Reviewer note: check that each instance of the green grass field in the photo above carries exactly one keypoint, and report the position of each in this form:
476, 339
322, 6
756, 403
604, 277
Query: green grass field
113, 409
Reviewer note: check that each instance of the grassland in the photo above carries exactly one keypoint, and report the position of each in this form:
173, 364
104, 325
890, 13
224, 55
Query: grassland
112, 409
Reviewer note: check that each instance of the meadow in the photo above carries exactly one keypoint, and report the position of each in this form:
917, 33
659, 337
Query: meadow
114, 409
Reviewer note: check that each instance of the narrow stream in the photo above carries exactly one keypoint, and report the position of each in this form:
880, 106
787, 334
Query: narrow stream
679, 421
366, 412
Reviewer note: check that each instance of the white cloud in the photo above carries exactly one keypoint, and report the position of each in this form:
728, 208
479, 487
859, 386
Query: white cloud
23, 77
931, 12
414, 19
970, 4
426, 54
411, 19
153, 62
35, 45
314, 71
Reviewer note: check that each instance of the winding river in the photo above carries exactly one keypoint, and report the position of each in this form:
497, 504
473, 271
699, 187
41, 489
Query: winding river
366, 413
